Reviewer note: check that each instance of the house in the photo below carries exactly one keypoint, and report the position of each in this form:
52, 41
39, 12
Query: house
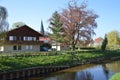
55, 46
98, 42
45, 39
22, 39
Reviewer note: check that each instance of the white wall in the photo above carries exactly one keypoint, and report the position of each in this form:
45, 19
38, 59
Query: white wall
56, 47
2, 48
9, 48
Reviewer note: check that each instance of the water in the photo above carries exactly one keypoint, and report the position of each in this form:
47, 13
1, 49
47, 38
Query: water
86, 72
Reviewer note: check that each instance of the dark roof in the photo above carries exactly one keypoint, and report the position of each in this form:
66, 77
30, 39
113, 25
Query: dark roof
24, 30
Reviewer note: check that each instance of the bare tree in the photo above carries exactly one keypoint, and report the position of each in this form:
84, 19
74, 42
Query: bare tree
78, 23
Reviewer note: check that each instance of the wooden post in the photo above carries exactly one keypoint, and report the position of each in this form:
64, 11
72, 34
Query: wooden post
33, 71
4, 77
38, 71
1, 76
11, 76
17, 74
28, 73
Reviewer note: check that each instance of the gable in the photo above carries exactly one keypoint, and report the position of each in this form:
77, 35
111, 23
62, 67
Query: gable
23, 31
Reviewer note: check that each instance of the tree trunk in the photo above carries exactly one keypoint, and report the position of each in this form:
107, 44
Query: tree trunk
57, 46
73, 44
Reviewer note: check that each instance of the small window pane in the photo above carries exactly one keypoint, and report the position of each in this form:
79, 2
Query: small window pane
34, 38
27, 47
31, 47
19, 47
11, 38
14, 47
25, 38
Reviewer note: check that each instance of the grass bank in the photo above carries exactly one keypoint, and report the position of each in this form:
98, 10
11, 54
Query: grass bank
69, 58
115, 77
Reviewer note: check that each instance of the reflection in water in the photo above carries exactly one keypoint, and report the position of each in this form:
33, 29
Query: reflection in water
64, 76
106, 71
84, 75
98, 72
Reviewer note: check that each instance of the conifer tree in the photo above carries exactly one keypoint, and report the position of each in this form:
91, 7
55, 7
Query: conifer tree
56, 28
104, 43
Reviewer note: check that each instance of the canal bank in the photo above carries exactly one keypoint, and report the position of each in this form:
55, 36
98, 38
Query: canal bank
84, 72
48, 69
29, 72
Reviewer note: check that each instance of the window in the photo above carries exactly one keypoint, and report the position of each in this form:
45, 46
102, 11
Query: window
34, 38
17, 47
29, 38
29, 47
25, 38
11, 38
14, 47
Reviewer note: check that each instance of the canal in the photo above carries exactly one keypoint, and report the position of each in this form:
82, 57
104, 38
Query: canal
86, 72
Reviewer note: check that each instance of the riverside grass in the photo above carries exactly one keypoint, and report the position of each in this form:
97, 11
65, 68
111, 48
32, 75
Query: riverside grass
9, 63
115, 77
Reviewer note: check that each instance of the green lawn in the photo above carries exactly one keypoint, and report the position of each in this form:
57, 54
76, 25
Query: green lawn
20, 62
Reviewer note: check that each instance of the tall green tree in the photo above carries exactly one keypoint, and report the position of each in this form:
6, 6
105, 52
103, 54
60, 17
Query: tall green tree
56, 28
78, 23
113, 39
104, 43
3, 24
17, 24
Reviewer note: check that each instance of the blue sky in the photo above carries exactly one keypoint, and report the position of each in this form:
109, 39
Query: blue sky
31, 12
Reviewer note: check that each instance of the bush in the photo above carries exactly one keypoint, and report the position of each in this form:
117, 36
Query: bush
88, 48
115, 77
47, 45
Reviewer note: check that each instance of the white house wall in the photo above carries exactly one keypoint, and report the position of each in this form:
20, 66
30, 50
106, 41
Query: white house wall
1, 48
9, 48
